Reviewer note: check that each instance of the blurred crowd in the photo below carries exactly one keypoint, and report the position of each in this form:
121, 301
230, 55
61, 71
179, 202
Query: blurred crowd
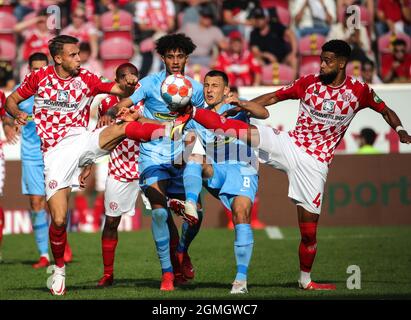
259, 42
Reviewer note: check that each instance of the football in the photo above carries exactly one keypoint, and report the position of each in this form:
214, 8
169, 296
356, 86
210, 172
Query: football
176, 91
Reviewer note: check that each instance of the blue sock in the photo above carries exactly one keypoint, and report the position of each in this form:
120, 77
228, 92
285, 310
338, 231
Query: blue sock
161, 236
188, 233
193, 182
243, 249
41, 230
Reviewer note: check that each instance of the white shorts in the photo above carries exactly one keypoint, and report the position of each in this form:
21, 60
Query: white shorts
2, 173
306, 175
62, 163
101, 173
120, 197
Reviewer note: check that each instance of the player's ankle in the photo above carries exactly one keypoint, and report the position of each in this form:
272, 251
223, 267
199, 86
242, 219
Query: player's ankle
305, 278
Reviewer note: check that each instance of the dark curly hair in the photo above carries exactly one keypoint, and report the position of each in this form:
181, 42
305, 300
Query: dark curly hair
173, 42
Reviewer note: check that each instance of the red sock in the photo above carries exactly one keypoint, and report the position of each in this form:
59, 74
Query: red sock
1, 223
109, 249
81, 205
58, 239
212, 120
144, 131
308, 245
98, 211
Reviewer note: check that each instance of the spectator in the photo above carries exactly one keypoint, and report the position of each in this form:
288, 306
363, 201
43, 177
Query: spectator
87, 61
368, 74
313, 16
190, 10
394, 16
83, 30
357, 38
206, 37
366, 141
239, 63
35, 39
235, 16
25, 7
7, 82
154, 19
397, 68
265, 34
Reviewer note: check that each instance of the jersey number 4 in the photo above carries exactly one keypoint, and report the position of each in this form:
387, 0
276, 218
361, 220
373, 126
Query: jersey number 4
317, 200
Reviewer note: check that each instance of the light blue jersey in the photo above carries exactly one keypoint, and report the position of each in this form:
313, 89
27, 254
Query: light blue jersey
161, 151
30, 142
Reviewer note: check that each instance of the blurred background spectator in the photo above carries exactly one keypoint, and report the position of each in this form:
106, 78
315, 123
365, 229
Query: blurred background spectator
398, 66
366, 141
87, 60
393, 16
368, 73
235, 16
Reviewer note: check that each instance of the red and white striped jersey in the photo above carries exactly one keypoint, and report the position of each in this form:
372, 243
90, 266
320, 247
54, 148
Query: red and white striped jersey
123, 164
326, 112
61, 105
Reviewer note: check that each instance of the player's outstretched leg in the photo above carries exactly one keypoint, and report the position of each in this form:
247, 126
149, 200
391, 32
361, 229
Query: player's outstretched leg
41, 235
109, 240
307, 250
174, 240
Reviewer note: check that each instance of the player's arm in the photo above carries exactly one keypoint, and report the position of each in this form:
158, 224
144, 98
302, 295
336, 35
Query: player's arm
394, 121
12, 108
11, 130
255, 110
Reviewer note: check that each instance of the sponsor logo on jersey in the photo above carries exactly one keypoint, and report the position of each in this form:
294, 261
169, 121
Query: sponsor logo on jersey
62, 96
328, 106
165, 116
377, 99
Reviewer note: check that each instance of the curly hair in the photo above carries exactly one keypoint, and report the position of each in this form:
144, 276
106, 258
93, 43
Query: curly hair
173, 42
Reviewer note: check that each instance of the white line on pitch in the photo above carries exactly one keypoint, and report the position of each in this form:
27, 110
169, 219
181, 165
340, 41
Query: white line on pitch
274, 232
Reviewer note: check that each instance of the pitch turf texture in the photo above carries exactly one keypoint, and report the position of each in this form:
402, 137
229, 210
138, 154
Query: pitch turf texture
382, 254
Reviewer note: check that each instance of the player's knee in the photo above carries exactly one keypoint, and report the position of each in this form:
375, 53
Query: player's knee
159, 215
111, 223
240, 251
60, 222
36, 203
308, 236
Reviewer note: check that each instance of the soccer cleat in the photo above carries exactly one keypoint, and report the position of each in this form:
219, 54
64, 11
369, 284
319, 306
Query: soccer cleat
239, 287
106, 281
186, 209
317, 286
42, 263
167, 281
68, 254
186, 265
257, 224
58, 282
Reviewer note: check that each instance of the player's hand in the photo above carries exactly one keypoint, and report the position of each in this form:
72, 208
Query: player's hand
83, 176
233, 99
105, 120
12, 133
21, 118
404, 137
232, 112
128, 114
131, 80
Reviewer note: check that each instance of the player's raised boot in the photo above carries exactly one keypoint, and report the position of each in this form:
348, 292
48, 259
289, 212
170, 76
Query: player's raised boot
106, 281
239, 287
167, 281
68, 254
42, 263
186, 209
186, 265
57, 285
316, 286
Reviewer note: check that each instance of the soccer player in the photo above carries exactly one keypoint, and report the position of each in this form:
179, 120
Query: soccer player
159, 176
32, 180
122, 188
328, 103
229, 172
62, 97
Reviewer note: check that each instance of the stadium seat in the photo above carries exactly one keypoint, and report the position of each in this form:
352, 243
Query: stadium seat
283, 16
309, 68
277, 74
6, 8
197, 72
354, 69
119, 24
7, 50
309, 48
7, 23
116, 48
110, 66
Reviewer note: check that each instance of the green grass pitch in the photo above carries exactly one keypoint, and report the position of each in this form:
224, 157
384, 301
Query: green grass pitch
382, 253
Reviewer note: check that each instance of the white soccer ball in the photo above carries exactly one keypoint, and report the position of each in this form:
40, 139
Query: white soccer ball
176, 91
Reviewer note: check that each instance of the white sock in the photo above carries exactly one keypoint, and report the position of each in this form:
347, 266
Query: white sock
305, 278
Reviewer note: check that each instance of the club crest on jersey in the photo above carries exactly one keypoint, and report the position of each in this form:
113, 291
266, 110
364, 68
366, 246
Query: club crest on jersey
328, 106
346, 96
76, 84
113, 206
62, 96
